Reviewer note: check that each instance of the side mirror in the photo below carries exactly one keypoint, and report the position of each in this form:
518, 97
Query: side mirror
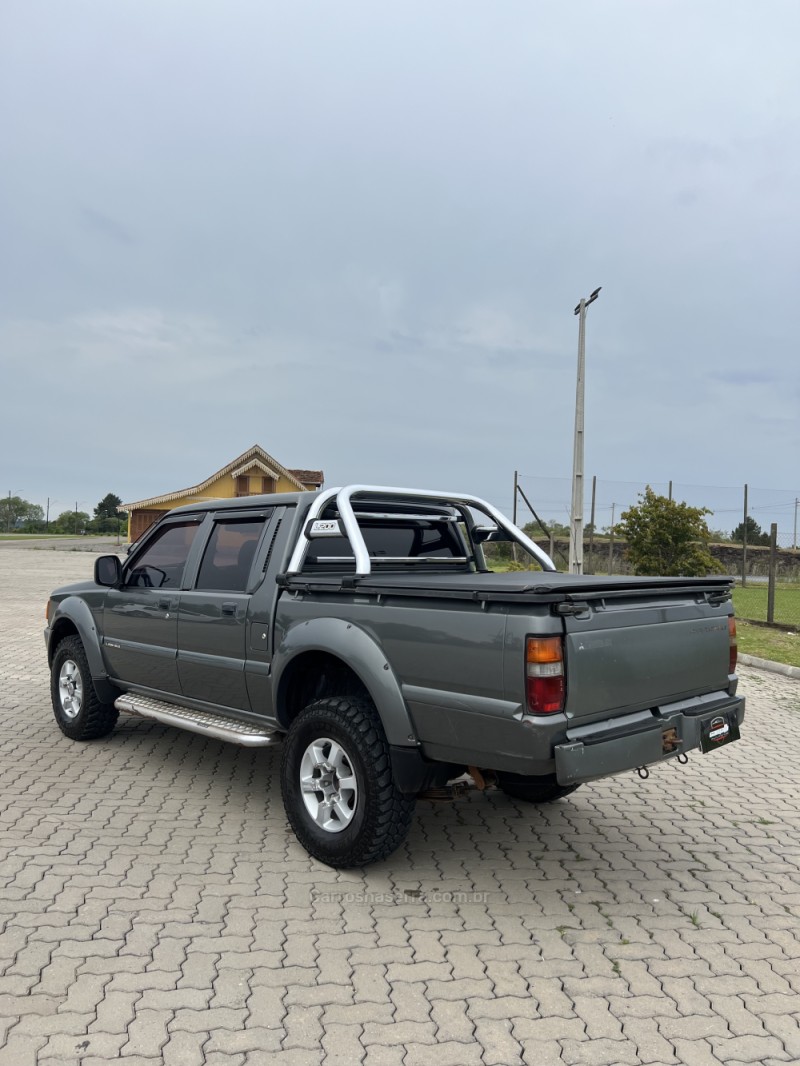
107, 571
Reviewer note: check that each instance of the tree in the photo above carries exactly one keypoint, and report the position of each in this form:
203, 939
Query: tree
70, 522
16, 513
33, 519
106, 516
754, 534
667, 537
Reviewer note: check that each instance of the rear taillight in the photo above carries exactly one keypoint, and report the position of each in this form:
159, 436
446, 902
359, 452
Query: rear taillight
544, 675
733, 646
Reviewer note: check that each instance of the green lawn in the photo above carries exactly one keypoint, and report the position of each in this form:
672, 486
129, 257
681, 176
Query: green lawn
768, 643
54, 536
751, 602
31, 536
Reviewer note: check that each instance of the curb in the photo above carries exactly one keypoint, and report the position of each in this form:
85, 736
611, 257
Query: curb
768, 664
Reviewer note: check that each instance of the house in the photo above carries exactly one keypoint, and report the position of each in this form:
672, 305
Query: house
250, 474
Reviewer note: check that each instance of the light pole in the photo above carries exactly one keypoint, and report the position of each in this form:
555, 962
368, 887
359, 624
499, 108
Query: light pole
576, 512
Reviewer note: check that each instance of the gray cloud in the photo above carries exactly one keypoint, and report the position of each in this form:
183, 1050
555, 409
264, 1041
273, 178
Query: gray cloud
357, 237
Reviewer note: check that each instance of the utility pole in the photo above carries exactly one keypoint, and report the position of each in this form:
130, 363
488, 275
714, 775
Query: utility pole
516, 494
794, 538
744, 541
591, 531
611, 542
576, 513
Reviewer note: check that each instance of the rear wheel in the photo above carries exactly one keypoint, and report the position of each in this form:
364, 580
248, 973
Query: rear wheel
337, 785
534, 789
79, 713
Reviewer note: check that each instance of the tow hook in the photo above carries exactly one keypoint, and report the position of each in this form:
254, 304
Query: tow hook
479, 780
644, 773
670, 740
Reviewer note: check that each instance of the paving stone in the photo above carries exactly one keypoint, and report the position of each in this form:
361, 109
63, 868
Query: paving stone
699, 1027
450, 1053
153, 904
451, 1022
599, 1052
650, 1043
342, 1046
749, 1048
500, 1048
549, 1029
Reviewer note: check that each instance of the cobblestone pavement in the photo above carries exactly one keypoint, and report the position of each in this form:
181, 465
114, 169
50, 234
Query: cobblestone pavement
154, 906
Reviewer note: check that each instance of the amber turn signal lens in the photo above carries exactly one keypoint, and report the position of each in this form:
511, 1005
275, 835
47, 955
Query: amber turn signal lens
544, 650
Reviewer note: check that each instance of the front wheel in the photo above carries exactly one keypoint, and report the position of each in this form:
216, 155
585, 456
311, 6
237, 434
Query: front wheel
533, 789
337, 785
79, 713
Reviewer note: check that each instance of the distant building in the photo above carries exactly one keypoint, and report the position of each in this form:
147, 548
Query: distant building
250, 474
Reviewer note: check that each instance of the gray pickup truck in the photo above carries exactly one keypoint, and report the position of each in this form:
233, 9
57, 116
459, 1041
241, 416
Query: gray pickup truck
364, 629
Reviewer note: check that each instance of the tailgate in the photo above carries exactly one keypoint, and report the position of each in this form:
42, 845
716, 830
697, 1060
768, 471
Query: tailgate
638, 650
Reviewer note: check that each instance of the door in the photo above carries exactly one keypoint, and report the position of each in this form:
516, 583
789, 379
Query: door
212, 621
140, 620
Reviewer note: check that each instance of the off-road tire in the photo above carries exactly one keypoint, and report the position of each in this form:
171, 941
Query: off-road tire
533, 789
87, 718
381, 815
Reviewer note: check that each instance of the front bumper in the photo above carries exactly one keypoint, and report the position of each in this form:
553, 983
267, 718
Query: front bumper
618, 744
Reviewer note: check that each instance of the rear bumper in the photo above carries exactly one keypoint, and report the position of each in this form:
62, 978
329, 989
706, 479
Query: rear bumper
641, 739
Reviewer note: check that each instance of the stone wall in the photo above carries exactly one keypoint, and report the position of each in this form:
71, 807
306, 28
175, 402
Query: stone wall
730, 555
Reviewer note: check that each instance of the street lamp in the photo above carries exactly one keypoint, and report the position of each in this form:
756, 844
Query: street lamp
576, 512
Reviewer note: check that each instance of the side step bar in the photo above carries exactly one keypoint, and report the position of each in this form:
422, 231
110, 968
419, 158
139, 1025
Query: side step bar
203, 722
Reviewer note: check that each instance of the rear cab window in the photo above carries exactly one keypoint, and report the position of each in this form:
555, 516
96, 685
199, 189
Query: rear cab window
395, 542
230, 551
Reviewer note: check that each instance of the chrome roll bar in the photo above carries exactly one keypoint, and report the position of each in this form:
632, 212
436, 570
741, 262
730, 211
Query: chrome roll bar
344, 497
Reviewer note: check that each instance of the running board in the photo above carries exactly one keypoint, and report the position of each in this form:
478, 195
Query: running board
204, 722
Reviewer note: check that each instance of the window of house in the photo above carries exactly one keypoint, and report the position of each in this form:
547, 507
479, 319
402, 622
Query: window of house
242, 485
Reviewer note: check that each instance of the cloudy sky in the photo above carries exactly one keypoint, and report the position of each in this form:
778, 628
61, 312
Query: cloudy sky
355, 232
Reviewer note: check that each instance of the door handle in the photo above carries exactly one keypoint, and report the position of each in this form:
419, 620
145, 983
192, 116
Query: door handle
163, 605
229, 608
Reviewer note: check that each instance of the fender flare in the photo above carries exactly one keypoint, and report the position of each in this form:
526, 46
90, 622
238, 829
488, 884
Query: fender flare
75, 610
360, 652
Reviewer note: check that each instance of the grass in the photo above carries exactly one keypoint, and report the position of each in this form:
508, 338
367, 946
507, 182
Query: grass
767, 643
30, 536
751, 602
54, 536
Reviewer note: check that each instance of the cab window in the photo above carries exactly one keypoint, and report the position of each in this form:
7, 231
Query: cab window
229, 554
161, 563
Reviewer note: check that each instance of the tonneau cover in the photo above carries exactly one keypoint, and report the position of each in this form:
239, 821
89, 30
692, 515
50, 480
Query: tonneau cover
514, 583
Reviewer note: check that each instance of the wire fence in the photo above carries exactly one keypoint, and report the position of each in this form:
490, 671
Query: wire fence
739, 519
606, 500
